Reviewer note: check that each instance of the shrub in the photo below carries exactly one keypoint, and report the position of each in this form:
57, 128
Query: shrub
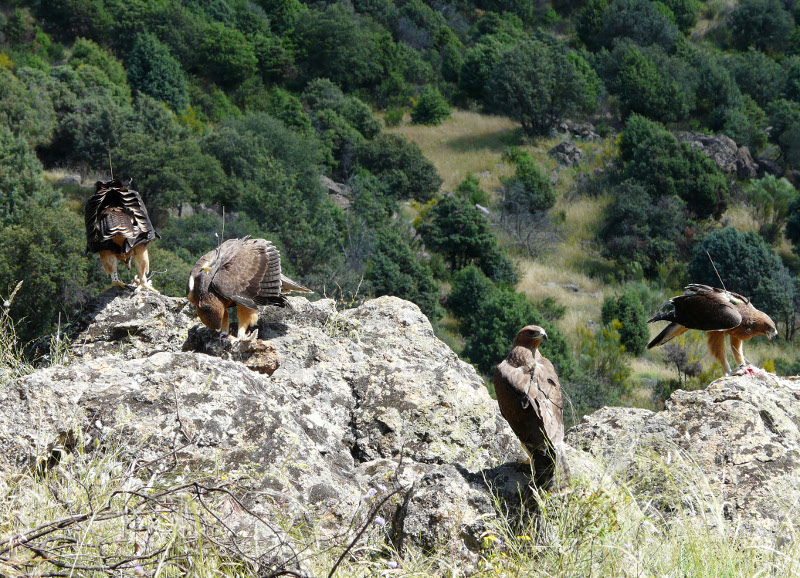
628, 310
431, 108
470, 287
771, 199
760, 23
491, 329
529, 190
394, 269
470, 190
746, 264
400, 165
653, 157
153, 71
537, 84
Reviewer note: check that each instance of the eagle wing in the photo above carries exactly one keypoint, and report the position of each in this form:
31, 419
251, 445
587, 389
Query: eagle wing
530, 400
708, 308
116, 219
248, 272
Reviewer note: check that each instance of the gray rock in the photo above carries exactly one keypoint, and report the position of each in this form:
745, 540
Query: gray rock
728, 454
768, 167
720, 148
566, 153
71, 180
361, 397
339, 193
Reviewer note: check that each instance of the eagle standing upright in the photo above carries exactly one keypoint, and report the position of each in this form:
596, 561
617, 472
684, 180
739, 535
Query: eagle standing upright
717, 312
529, 396
246, 272
118, 227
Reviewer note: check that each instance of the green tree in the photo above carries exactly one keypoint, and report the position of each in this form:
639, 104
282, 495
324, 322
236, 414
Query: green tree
470, 190
746, 264
400, 165
26, 108
339, 44
153, 71
494, 323
642, 87
21, 178
770, 198
228, 58
745, 123
529, 190
431, 108
757, 74
628, 310
470, 287
34, 250
537, 84
685, 12
480, 62
394, 269
85, 51
652, 156
639, 20
638, 228
764, 24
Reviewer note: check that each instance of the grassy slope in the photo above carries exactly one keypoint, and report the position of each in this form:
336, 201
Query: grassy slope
571, 270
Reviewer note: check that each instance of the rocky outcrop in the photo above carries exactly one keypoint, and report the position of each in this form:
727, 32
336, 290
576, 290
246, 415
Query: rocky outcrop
566, 153
728, 156
332, 406
582, 130
356, 399
768, 167
726, 455
338, 193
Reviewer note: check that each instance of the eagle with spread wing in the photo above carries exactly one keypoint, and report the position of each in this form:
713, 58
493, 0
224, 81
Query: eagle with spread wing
529, 396
245, 272
718, 312
118, 227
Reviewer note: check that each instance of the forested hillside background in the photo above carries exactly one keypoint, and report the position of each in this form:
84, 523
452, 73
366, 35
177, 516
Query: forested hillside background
435, 118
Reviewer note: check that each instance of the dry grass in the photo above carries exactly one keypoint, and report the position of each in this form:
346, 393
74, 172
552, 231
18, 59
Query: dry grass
467, 142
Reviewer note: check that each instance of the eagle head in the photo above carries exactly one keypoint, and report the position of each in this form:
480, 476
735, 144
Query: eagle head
530, 336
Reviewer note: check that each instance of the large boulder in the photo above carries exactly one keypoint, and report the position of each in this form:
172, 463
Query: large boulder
728, 156
725, 455
357, 399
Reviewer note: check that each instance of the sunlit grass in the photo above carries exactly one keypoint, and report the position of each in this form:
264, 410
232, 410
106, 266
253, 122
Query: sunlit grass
467, 142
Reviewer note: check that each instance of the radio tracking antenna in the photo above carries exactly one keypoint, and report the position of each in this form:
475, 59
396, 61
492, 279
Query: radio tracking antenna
715, 270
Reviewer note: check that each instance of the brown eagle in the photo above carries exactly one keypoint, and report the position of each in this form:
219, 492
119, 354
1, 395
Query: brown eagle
529, 396
118, 227
717, 312
245, 272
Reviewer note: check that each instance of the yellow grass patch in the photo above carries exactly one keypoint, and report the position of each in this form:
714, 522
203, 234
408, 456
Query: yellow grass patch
467, 142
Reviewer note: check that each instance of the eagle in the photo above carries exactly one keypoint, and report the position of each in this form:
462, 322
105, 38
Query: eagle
529, 396
118, 227
245, 272
718, 312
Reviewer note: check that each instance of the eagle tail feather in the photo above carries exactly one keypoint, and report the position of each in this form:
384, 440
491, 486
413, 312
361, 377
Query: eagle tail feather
670, 331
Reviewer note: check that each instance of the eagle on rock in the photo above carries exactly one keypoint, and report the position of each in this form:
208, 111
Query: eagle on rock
718, 312
118, 227
245, 272
529, 396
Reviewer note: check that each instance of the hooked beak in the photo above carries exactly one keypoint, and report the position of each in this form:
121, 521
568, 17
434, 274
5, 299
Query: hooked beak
544, 336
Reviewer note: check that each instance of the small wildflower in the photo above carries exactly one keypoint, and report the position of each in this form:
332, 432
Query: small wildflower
380, 520
138, 570
527, 538
382, 488
370, 493
391, 564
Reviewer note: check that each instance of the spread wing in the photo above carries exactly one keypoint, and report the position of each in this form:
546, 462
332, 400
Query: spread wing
708, 308
116, 219
248, 271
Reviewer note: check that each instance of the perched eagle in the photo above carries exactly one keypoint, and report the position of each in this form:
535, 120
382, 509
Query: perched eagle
246, 272
529, 397
717, 312
118, 227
